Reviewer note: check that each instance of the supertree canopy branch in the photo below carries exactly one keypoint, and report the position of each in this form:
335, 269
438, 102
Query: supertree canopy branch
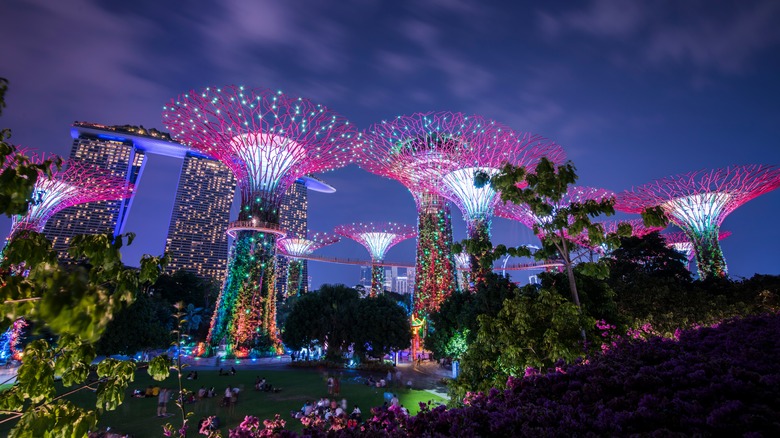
698, 202
268, 140
76, 183
377, 238
295, 248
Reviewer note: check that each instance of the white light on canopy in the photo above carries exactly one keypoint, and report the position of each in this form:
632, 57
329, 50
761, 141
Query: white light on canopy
377, 243
698, 212
477, 203
684, 248
268, 158
297, 247
47, 199
462, 260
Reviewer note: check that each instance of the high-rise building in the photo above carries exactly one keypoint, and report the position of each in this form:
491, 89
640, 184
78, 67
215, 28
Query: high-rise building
122, 159
197, 241
293, 219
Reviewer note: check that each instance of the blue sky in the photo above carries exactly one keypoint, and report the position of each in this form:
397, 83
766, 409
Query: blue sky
633, 91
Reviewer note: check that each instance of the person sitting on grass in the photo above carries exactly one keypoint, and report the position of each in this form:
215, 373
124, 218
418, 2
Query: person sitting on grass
228, 396
202, 393
356, 414
232, 371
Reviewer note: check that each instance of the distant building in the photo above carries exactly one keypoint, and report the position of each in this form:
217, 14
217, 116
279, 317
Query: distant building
293, 219
365, 277
196, 240
122, 159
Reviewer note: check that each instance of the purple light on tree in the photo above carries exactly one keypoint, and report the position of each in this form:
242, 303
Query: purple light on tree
268, 140
297, 248
698, 202
76, 183
377, 238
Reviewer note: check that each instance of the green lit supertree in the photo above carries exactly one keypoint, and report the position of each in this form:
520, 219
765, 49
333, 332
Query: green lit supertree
268, 140
698, 202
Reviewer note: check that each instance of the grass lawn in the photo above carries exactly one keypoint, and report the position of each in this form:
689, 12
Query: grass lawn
138, 416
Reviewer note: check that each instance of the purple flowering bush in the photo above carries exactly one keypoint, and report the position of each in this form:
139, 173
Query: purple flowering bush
720, 380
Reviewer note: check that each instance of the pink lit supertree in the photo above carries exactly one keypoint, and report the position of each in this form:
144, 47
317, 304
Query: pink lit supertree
451, 148
378, 238
75, 183
268, 140
296, 248
416, 151
698, 202
680, 242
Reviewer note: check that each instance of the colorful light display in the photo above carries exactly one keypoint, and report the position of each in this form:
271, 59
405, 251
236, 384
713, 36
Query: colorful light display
377, 238
698, 202
680, 242
296, 248
76, 183
268, 140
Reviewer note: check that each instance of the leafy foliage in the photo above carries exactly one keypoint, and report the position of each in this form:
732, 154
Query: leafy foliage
337, 315
75, 305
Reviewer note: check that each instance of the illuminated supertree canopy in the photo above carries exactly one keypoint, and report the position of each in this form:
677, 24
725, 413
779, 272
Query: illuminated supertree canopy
297, 247
698, 202
377, 238
416, 150
268, 140
76, 183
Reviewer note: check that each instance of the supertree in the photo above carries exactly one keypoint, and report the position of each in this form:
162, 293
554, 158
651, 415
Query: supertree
463, 146
295, 248
75, 183
680, 242
268, 140
377, 237
698, 202
463, 265
415, 150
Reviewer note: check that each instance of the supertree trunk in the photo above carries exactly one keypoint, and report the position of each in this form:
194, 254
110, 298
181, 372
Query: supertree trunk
377, 279
243, 313
709, 257
435, 277
294, 278
479, 231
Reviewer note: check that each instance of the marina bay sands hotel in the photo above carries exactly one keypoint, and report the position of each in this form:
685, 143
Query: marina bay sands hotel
196, 240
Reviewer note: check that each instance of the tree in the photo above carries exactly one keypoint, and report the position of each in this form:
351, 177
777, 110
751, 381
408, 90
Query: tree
382, 326
145, 324
456, 321
74, 304
532, 329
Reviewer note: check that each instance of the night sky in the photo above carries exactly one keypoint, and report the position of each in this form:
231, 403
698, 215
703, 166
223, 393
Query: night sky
633, 90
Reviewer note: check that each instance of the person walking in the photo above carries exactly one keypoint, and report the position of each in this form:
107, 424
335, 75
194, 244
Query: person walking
162, 402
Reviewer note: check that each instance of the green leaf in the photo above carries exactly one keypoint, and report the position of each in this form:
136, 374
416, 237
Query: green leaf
159, 368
